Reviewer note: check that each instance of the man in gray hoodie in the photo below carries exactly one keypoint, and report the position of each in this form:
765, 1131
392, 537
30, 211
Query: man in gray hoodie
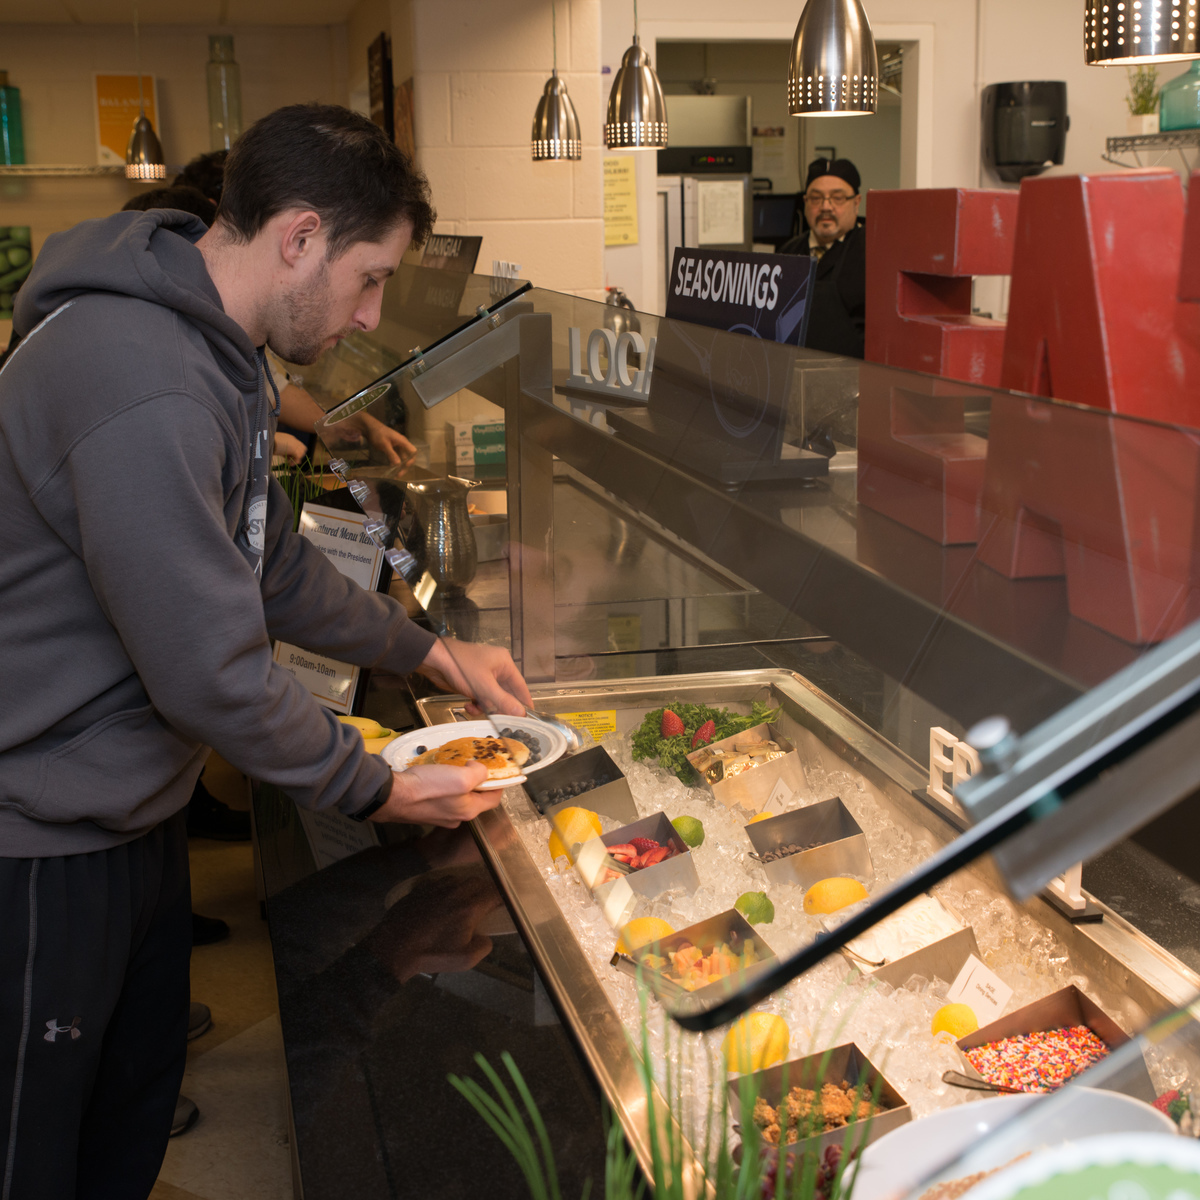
146, 562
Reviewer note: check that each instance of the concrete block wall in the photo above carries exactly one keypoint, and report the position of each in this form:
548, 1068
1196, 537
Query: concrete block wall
479, 70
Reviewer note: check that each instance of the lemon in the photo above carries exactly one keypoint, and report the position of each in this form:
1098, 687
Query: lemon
763, 816
571, 825
756, 1042
756, 907
690, 829
365, 726
641, 931
957, 1020
829, 895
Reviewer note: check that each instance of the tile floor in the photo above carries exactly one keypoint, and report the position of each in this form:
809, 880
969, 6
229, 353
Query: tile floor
239, 1147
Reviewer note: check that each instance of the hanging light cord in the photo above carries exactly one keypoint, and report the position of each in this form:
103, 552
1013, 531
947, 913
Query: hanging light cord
554, 33
137, 54
635, 24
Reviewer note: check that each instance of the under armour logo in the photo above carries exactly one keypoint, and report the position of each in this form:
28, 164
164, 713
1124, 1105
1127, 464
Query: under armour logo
53, 1029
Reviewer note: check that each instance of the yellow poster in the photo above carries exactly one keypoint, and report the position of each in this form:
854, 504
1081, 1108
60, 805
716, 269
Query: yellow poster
116, 111
620, 200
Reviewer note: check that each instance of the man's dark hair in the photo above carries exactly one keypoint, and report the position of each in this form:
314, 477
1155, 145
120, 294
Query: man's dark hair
187, 199
206, 173
330, 160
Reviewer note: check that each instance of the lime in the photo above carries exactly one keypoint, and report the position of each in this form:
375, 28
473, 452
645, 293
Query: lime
756, 1042
756, 907
829, 895
641, 931
956, 1020
690, 829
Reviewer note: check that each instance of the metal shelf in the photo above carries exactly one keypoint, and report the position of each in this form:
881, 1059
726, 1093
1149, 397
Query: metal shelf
70, 171
1149, 149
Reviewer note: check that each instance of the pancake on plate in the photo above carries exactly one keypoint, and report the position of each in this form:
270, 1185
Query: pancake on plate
503, 757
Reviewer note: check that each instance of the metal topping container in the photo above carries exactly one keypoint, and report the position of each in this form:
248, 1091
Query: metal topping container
843, 1063
773, 785
837, 846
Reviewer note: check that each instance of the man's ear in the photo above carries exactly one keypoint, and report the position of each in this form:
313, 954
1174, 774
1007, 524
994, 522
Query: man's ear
298, 237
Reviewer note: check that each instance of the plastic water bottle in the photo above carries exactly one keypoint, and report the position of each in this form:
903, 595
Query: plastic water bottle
12, 135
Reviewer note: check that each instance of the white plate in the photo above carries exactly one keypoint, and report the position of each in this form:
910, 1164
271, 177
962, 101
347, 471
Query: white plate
900, 1159
398, 754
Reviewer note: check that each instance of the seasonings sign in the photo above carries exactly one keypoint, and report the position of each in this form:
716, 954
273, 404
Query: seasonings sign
764, 295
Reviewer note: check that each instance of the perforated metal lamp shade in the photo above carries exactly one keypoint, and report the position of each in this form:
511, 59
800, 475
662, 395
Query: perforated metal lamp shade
1130, 31
555, 124
834, 68
143, 155
637, 111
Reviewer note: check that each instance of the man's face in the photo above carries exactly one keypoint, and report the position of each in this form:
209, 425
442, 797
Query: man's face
831, 206
330, 299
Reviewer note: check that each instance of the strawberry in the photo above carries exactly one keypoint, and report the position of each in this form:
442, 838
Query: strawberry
704, 734
643, 845
672, 724
1165, 1100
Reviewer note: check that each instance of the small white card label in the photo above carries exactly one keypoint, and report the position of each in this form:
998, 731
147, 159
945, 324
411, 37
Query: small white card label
779, 799
981, 989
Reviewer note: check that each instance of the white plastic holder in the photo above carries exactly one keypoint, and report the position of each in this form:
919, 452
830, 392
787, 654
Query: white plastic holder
951, 756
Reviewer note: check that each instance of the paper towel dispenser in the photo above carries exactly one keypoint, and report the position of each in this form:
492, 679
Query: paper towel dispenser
1024, 127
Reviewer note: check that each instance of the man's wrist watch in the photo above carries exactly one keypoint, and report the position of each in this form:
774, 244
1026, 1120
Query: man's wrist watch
381, 798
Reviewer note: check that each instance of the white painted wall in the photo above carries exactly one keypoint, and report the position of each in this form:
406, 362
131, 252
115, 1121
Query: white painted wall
479, 70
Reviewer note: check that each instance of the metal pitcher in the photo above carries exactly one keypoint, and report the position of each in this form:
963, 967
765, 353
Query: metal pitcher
451, 556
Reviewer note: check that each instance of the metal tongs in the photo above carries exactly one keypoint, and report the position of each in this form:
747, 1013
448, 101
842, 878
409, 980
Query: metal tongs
958, 1079
575, 737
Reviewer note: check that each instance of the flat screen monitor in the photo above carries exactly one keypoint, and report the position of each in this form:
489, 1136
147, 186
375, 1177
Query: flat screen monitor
774, 217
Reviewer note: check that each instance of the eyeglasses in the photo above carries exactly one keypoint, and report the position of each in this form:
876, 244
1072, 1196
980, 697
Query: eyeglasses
837, 199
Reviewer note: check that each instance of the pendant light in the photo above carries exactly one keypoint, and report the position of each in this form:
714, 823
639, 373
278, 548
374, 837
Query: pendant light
1132, 31
637, 112
555, 124
143, 154
834, 69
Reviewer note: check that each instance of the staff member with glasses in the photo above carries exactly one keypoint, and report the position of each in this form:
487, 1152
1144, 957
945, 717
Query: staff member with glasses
836, 237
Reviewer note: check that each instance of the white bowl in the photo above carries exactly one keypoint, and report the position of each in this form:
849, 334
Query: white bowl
398, 754
900, 1160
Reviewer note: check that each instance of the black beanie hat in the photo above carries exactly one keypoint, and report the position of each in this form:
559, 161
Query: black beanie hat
843, 168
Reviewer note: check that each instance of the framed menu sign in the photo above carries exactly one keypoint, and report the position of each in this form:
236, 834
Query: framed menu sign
341, 536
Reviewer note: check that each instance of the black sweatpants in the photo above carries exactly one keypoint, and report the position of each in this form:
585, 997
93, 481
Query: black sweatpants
93, 1016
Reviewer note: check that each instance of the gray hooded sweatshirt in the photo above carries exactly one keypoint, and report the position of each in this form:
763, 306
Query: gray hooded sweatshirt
141, 582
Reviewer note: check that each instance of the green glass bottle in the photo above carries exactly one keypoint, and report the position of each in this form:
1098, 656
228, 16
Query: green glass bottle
1180, 107
12, 135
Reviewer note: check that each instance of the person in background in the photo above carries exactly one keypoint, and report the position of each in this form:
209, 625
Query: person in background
834, 234
205, 173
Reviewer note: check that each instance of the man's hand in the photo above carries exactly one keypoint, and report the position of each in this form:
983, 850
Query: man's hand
485, 673
291, 448
394, 446
437, 795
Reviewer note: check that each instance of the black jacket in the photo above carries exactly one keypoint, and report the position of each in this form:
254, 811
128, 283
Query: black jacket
839, 309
